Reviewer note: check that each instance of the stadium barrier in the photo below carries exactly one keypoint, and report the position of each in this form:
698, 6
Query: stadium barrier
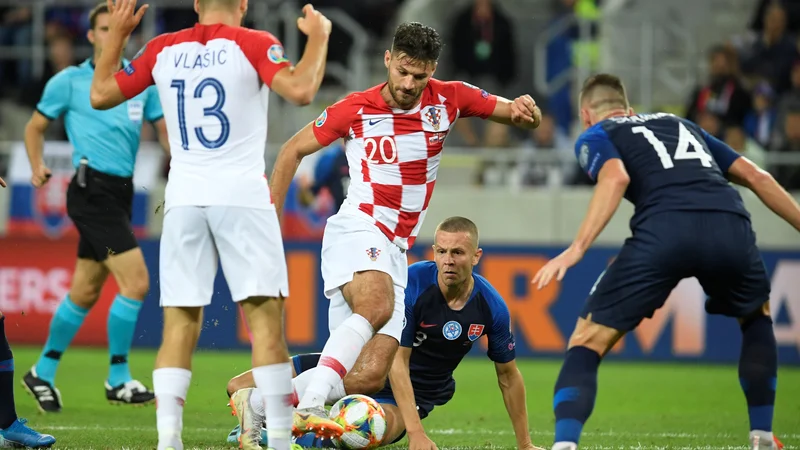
35, 274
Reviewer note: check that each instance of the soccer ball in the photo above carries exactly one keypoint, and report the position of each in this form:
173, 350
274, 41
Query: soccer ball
363, 420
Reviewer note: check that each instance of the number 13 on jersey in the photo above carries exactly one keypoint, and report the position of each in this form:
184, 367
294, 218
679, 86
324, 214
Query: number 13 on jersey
214, 110
688, 147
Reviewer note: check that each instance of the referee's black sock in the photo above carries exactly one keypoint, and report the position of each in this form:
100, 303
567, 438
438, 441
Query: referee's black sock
8, 413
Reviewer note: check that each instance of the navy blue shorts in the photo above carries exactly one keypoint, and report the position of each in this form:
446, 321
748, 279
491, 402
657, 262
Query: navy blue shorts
717, 248
385, 396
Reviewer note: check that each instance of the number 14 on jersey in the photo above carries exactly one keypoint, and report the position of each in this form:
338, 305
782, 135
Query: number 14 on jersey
688, 147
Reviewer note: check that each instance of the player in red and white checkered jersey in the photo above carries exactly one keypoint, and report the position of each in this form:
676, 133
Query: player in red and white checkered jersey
214, 81
393, 135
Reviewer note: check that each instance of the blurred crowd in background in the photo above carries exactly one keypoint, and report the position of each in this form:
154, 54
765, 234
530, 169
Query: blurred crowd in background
750, 98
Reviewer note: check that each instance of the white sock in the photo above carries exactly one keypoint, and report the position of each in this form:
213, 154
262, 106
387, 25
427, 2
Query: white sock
170, 384
257, 402
274, 382
338, 357
565, 446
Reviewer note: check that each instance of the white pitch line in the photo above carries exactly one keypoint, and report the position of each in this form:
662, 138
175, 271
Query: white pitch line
486, 432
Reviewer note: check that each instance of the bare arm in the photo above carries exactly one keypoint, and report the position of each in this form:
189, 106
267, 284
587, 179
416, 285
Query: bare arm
522, 112
745, 173
105, 92
512, 387
34, 146
400, 379
300, 84
163, 139
293, 151
612, 181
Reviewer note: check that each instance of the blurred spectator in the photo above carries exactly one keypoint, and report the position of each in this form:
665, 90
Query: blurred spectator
789, 175
711, 123
739, 141
771, 56
792, 8
760, 122
60, 52
788, 101
723, 94
15, 31
547, 140
483, 53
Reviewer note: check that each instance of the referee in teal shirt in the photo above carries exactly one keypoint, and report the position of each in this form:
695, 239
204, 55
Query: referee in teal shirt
99, 202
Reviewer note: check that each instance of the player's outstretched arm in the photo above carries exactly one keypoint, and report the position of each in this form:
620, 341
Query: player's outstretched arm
123, 19
301, 83
512, 387
746, 173
400, 380
612, 181
521, 112
293, 151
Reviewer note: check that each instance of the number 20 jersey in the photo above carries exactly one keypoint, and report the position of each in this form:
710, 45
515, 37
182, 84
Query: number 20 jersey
213, 81
394, 154
673, 164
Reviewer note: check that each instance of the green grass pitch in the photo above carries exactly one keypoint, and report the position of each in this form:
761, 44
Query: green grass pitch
639, 406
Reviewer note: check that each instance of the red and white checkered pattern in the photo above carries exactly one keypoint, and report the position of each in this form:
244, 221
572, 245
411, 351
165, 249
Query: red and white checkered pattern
394, 154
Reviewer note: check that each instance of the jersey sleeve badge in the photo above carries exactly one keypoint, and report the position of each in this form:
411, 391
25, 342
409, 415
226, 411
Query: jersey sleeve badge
321, 119
276, 54
583, 158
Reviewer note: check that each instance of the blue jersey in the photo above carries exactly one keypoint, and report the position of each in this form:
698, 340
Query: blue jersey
108, 139
441, 337
333, 172
673, 164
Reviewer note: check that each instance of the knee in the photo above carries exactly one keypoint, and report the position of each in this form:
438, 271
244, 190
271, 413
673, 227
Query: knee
239, 382
594, 336
376, 307
85, 295
137, 286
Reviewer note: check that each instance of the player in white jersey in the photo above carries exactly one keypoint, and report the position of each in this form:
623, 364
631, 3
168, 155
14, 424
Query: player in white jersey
214, 80
393, 136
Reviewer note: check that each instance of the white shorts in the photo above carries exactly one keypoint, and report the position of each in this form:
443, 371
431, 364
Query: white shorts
352, 244
247, 241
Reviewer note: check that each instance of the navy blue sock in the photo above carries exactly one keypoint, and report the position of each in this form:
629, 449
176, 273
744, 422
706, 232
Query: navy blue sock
758, 371
305, 362
8, 413
575, 392
65, 323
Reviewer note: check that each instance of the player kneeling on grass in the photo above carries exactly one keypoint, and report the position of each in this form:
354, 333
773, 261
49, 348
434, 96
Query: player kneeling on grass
447, 309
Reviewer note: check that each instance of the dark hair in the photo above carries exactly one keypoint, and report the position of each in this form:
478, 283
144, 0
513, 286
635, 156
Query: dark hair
458, 224
606, 82
417, 41
101, 8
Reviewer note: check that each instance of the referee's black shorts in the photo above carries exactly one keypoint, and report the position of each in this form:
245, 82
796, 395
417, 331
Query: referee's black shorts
101, 211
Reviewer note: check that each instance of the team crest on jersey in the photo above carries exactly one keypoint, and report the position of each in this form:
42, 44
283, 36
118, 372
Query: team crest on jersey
484, 94
129, 70
583, 158
49, 205
373, 253
321, 119
276, 54
434, 116
451, 330
475, 331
